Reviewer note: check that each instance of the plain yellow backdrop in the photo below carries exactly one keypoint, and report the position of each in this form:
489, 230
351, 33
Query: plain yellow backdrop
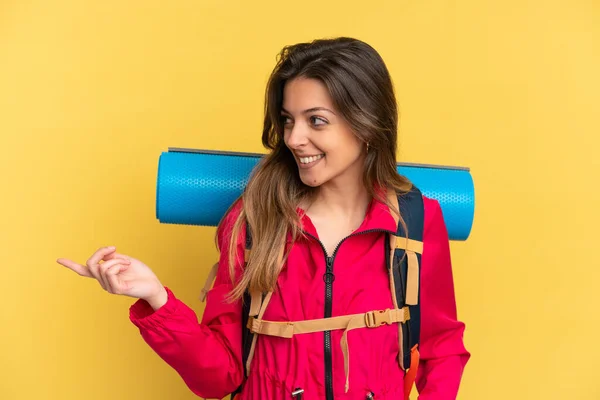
91, 92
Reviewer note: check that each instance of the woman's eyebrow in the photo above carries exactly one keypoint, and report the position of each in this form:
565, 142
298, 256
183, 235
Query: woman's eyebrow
283, 110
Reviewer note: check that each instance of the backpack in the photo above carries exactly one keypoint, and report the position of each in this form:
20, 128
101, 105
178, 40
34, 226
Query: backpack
403, 258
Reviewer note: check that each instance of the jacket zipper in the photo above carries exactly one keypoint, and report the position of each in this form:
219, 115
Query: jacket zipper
329, 277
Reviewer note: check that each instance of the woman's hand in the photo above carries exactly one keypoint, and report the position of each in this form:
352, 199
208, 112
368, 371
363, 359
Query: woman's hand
121, 274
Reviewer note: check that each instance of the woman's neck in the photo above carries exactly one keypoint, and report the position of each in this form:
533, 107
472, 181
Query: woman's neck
339, 201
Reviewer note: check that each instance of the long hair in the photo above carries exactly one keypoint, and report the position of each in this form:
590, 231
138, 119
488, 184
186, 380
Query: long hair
361, 88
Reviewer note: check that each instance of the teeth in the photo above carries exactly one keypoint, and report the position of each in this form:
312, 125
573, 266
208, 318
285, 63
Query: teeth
306, 160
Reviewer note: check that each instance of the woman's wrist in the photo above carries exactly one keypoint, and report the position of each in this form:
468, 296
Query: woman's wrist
159, 299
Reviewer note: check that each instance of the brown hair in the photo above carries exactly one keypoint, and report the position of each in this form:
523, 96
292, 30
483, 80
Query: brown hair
362, 91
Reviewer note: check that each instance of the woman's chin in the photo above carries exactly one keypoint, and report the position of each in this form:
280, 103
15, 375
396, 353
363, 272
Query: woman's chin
311, 181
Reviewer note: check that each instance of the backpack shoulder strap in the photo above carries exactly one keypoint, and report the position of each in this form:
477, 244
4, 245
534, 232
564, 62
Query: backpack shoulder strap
247, 335
409, 257
403, 254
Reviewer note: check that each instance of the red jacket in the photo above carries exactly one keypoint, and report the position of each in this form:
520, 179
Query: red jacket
208, 354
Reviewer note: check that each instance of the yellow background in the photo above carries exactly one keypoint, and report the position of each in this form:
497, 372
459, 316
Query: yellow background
91, 92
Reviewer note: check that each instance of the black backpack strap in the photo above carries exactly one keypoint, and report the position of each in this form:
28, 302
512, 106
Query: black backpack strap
247, 336
412, 211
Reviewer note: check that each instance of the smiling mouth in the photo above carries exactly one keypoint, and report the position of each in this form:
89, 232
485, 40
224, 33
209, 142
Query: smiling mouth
309, 160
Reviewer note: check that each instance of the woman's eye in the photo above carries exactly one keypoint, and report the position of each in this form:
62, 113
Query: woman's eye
286, 120
317, 121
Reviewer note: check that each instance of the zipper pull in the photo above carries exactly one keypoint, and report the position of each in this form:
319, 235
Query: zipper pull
370, 396
297, 394
328, 276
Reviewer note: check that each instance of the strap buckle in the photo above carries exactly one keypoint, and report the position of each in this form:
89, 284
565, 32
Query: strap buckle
406, 312
252, 324
376, 318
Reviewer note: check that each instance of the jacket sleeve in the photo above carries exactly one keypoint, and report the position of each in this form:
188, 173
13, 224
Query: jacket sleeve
206, 355
443, 354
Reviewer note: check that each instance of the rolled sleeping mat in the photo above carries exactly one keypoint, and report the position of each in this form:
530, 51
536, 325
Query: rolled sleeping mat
196, 187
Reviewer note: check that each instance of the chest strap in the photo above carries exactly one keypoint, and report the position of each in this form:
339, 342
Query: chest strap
371, 319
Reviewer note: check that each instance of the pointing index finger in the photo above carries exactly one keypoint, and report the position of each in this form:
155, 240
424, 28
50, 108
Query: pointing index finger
72, 265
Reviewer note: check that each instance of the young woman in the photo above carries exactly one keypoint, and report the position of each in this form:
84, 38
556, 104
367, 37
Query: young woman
319, 216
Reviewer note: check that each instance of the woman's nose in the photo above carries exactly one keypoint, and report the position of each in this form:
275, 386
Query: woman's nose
298, 136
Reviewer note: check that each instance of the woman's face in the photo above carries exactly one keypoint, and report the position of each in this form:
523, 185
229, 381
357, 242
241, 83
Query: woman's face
325, 149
